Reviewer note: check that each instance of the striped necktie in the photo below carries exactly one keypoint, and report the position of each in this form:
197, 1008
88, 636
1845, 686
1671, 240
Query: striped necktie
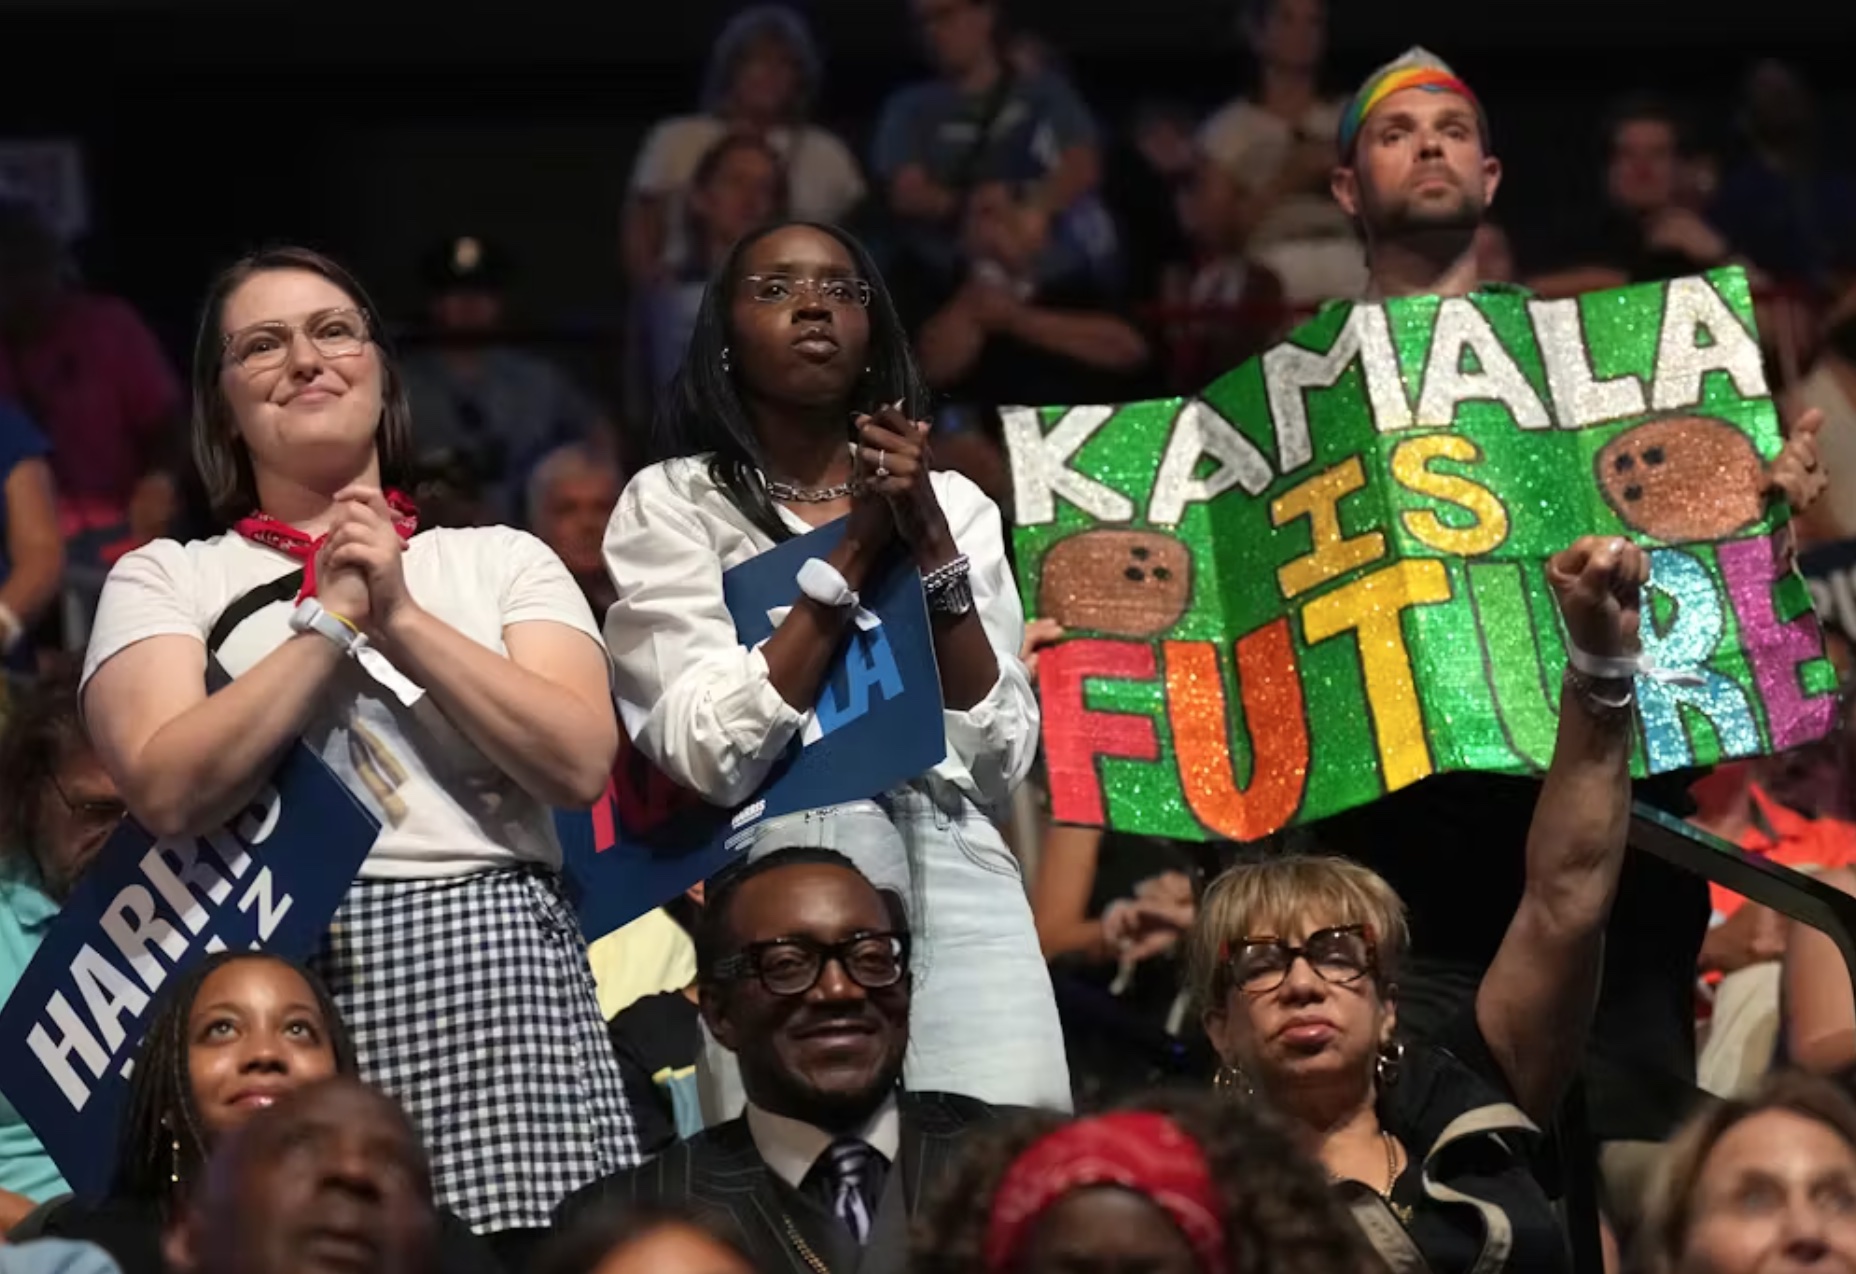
847, 1164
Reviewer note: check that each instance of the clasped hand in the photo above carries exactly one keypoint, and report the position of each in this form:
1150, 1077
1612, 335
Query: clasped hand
358, 568
892, 459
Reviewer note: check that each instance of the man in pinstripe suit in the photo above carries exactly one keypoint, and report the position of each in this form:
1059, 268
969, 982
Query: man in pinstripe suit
804, 975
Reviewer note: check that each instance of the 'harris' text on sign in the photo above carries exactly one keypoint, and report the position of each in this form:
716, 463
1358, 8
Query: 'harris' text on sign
146, 910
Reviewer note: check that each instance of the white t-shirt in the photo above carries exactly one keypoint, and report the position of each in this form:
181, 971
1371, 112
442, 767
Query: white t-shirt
1253, 144
445, 809
823, 181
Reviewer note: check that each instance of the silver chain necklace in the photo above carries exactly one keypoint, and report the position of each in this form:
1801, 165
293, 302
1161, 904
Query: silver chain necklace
811, 495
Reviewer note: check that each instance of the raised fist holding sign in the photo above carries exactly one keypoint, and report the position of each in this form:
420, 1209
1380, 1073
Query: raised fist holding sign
1598, 582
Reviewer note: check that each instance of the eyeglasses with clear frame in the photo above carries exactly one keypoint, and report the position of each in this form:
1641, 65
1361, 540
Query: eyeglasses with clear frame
1340, 956
97, 813
839, 291
264, 347
875, 961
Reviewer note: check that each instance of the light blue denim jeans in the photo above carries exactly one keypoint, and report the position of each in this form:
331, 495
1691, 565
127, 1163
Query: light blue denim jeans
983, 1021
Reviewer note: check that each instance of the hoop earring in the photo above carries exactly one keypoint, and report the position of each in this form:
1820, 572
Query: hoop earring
1389, 1063
1230, 1082
726, 364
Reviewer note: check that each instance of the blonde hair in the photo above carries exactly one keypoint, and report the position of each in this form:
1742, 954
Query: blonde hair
1669, 1202
1272, 895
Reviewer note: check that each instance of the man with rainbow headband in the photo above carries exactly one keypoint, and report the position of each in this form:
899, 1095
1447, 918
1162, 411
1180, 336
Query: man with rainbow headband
1416, 175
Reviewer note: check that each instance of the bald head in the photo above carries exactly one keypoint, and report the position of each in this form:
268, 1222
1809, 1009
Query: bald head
330, 1179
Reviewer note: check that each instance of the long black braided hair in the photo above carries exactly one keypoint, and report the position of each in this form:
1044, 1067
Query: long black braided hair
164, 1140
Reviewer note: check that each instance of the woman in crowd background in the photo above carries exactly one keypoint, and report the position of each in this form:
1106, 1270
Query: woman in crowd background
799, 404
478, 699
57, 807
1296, 960
231, 1036
762, 82
1759, 1184
1175, 1184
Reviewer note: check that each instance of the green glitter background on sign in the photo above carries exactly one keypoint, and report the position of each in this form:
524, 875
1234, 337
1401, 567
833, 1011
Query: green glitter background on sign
1545, 479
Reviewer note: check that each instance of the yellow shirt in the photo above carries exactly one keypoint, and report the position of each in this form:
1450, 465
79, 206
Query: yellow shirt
649, 955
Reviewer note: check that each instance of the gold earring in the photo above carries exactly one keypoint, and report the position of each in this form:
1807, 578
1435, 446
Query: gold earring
174, 1161
1230, 1081
1389, 1063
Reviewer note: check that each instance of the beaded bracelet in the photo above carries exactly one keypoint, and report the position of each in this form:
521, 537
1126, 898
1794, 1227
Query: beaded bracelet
946, 575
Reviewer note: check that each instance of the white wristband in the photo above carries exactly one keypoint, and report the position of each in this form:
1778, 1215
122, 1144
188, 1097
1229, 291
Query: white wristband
311, 617
822, 582
1627, 667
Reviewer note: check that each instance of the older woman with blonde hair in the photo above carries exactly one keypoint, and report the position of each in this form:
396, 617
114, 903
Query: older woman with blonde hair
1295, 963
1762, 1183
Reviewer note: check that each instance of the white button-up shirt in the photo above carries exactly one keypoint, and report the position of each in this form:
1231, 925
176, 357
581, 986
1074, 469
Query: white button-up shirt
702, 706
790, 1147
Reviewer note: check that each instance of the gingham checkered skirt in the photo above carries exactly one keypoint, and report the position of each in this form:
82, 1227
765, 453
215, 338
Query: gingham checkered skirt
470, 1000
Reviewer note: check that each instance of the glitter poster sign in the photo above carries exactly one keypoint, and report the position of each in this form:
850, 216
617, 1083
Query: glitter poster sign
1322, 579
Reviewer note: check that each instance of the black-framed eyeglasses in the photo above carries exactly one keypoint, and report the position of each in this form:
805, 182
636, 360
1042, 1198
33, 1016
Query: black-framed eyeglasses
97, 812
875, 961
839, 291
1339, 955
263, 347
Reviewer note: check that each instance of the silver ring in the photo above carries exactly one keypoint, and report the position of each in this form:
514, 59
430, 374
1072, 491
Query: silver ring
882, 464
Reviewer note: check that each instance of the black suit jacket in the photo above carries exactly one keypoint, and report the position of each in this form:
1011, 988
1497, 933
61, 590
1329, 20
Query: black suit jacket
720, 1171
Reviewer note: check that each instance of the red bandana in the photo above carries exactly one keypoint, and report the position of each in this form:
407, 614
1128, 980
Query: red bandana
1141, 1151
262, 528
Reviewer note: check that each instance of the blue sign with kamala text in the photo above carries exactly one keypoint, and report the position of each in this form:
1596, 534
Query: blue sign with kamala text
148, 908
877, 725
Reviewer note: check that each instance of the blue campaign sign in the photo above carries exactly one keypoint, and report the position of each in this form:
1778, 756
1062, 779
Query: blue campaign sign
148, 908
877, 725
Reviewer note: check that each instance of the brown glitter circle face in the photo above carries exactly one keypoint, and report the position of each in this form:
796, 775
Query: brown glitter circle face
1121, 583
1683, 480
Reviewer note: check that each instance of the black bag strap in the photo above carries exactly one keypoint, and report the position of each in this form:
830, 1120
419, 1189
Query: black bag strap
243, 607
249, 603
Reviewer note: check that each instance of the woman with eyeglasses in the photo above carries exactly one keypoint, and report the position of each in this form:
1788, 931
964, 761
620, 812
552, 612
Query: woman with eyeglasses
1295, 964
799, 404
57, 807
452, 680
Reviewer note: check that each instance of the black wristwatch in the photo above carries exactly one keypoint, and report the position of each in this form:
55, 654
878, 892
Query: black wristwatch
947, 589
955, 599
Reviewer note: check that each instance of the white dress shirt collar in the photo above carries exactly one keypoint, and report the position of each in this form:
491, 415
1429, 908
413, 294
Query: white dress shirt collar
791, 1147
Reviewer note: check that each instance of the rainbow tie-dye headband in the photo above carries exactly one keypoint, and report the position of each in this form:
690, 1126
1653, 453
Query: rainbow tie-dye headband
1417, 69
